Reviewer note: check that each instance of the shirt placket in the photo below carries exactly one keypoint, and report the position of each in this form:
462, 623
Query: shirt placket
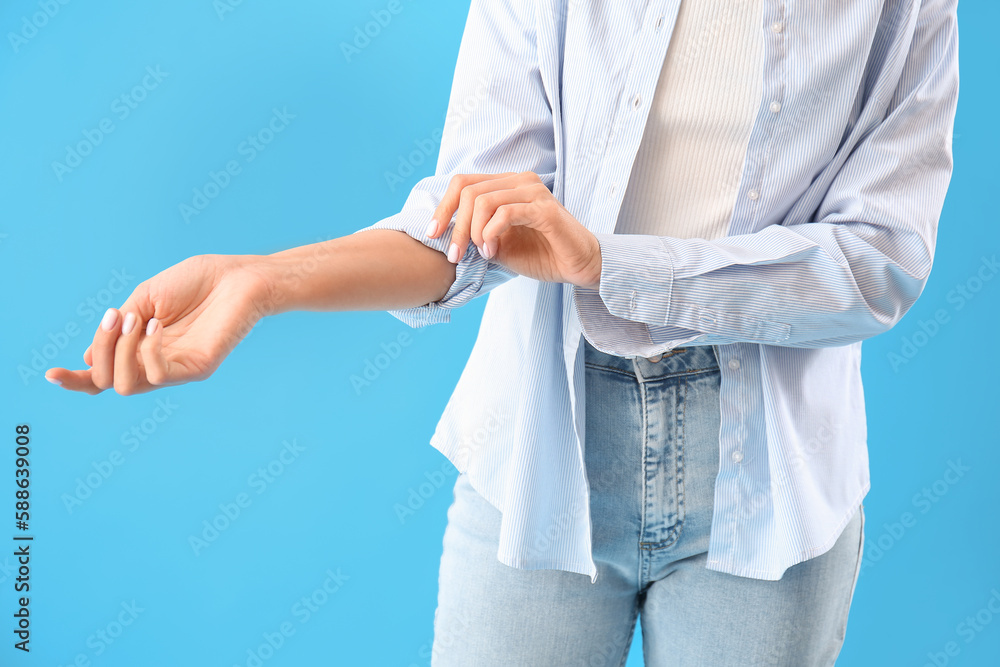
742, 486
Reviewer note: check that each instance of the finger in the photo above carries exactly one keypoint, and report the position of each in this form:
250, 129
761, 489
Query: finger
88, 356
80, 381
72, 380
102, 350
505, 217
126, 364
486, 206
151, 351
467, 201
450, 200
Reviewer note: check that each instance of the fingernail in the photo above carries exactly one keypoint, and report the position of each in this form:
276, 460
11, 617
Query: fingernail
151, 327
54, 381
109, 319
128, 324
453, 253
431, 227
488, 249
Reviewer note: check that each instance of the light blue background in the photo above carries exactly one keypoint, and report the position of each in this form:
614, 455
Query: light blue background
332, 508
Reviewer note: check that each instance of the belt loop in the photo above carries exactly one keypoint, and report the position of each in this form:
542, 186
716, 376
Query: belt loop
638, 372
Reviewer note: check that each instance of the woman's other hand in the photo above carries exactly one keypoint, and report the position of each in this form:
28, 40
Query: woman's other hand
515, 220
174, 328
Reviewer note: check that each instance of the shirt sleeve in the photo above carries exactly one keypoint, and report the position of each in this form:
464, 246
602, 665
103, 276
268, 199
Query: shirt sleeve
848, 274
499, 119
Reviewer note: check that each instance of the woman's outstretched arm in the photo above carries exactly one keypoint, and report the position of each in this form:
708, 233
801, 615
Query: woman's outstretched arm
179, 325
379, 269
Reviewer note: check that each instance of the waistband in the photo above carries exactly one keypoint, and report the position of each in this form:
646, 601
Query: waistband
679, 361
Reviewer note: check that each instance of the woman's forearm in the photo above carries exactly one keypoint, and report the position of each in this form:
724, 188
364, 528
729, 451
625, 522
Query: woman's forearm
377, 269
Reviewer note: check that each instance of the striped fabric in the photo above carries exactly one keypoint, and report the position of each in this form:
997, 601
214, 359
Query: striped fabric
685, 175
830, 242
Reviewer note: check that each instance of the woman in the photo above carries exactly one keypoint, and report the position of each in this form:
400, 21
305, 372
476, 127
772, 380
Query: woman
688, 216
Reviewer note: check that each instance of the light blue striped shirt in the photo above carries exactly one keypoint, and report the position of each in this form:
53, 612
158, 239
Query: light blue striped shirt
830, 241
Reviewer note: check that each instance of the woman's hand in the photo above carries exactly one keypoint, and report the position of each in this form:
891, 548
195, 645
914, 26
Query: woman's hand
515, 220
174, 328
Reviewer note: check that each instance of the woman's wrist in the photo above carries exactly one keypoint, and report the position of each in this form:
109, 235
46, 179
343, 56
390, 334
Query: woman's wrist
379, 269
266, 278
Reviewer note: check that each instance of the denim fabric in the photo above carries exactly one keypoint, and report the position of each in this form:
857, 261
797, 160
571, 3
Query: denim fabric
652, 454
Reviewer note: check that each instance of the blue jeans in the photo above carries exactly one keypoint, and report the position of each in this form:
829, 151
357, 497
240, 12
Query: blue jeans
652, 455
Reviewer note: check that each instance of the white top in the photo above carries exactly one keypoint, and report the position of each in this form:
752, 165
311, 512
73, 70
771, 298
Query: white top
686, 173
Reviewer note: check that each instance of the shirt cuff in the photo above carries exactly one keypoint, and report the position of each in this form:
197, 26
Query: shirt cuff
615, 318
473, 274
638, 285
636, 277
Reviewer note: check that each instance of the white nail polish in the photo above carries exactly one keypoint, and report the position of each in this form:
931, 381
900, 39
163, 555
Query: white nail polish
151, 326
109, 319
453, 253
431, 227
482, 252
488, 249
128, 324
54, 381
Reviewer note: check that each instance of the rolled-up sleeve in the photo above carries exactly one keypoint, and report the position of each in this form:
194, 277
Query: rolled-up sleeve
499, 120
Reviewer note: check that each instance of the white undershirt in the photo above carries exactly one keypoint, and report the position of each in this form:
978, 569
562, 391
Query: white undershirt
685, 176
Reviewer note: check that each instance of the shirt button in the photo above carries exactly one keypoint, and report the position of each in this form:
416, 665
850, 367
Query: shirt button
631, 303
611, 190
734, 364
775, 107
777, 26
636, 101
659, 23
737, 456
753, 194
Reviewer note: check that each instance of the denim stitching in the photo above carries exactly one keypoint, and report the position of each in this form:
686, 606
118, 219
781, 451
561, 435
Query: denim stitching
610, 369
680, 459
643, 394
684, 373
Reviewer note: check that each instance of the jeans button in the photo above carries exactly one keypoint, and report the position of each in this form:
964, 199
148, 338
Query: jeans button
654, 359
